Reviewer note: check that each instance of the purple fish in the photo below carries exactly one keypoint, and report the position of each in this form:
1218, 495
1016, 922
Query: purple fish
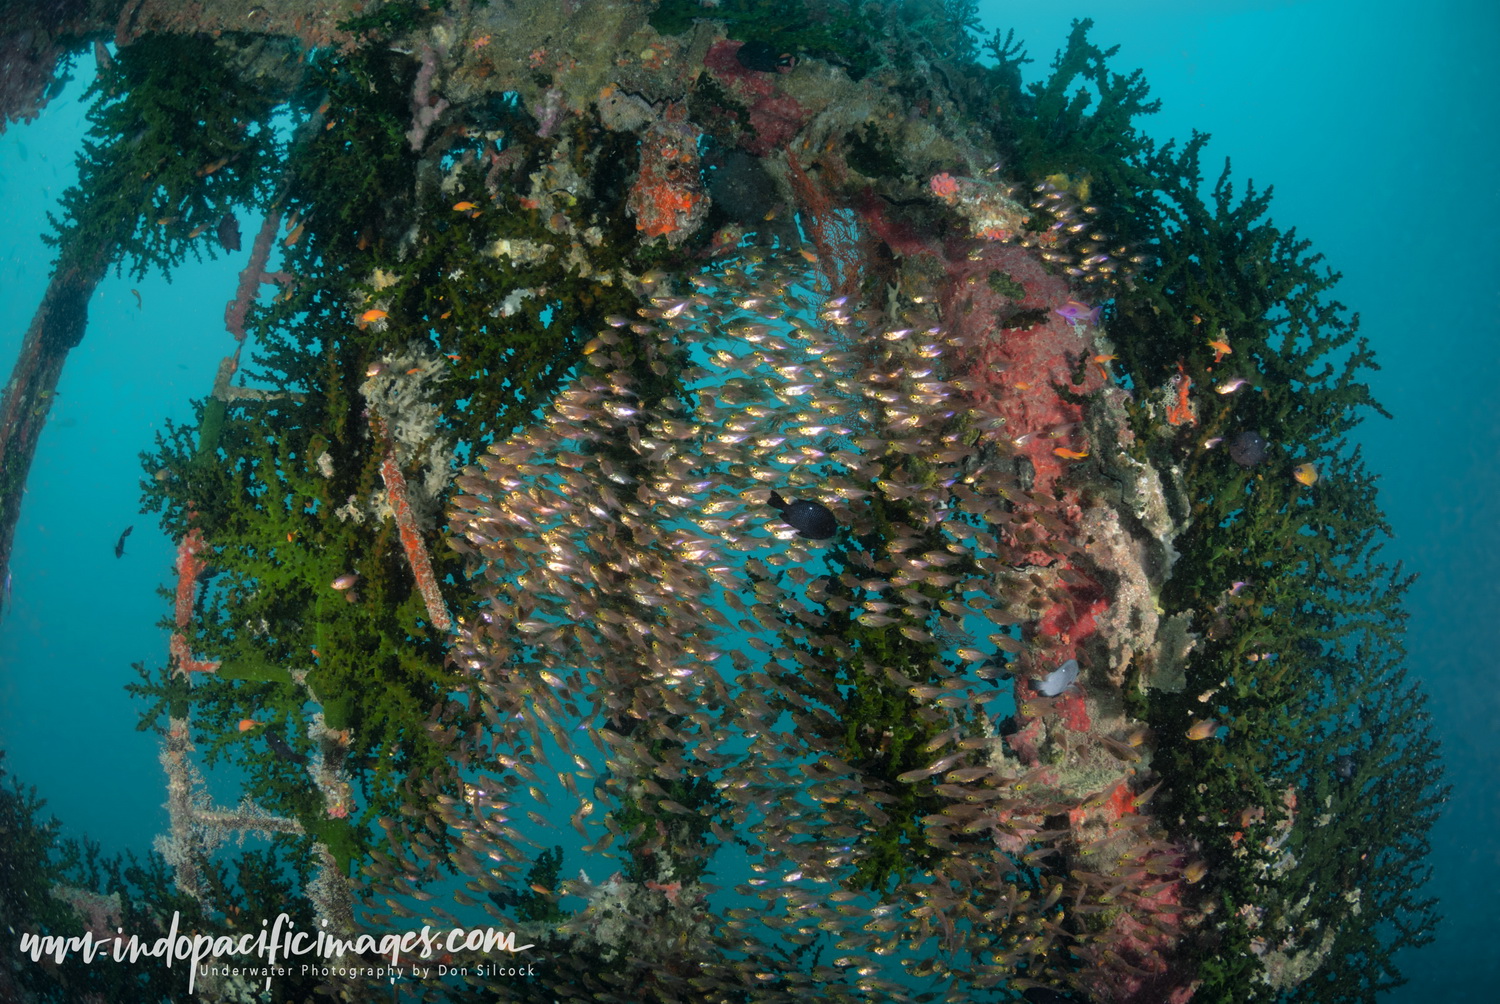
229, 232
1078, 313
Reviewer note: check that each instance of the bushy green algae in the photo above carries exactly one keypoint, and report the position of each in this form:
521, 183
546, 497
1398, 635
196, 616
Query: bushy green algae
180, 136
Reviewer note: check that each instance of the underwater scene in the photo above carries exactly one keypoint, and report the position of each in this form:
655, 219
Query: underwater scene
747, 501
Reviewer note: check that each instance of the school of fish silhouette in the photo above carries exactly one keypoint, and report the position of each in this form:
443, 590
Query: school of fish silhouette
745, 507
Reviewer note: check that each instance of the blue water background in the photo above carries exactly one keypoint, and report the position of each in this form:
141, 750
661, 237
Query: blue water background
1376, 122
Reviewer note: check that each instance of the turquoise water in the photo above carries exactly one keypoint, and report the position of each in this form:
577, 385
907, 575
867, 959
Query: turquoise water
1375, 124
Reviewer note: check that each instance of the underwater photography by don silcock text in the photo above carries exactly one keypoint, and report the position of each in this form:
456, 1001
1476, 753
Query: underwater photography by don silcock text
682, 501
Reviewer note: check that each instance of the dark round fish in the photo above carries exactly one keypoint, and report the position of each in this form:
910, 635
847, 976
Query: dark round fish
283, 749
764, 57
810, 519
229, 232
1248, 448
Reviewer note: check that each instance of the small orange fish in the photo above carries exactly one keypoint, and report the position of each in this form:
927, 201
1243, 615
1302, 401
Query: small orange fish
290, 536
808, 255
294, 236
1068, 454
372, 315
1220, 346
1103, 361
1203, 730
445, 315
1305, 474
463, 207
208, 169
246, 724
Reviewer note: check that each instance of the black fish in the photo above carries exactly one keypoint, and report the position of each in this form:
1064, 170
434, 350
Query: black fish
229, 232
283, 749
1248, 448
120, 544
764, 57
811, 519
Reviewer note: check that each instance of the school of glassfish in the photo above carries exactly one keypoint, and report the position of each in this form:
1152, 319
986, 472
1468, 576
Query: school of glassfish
677, 575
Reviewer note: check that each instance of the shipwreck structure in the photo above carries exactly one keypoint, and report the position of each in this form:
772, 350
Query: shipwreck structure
1096, 689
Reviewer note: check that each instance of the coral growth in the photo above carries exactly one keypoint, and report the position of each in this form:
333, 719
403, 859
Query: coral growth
773, 116
411, 542
253, 276
426, 104
189, 567
667, 198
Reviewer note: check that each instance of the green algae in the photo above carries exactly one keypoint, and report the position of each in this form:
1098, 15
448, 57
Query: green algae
179, 137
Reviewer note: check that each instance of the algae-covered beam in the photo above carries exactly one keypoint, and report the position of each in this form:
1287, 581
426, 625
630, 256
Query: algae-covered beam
56, 328
150, 183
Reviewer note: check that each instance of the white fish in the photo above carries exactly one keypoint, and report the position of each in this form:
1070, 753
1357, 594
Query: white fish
1059, 679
